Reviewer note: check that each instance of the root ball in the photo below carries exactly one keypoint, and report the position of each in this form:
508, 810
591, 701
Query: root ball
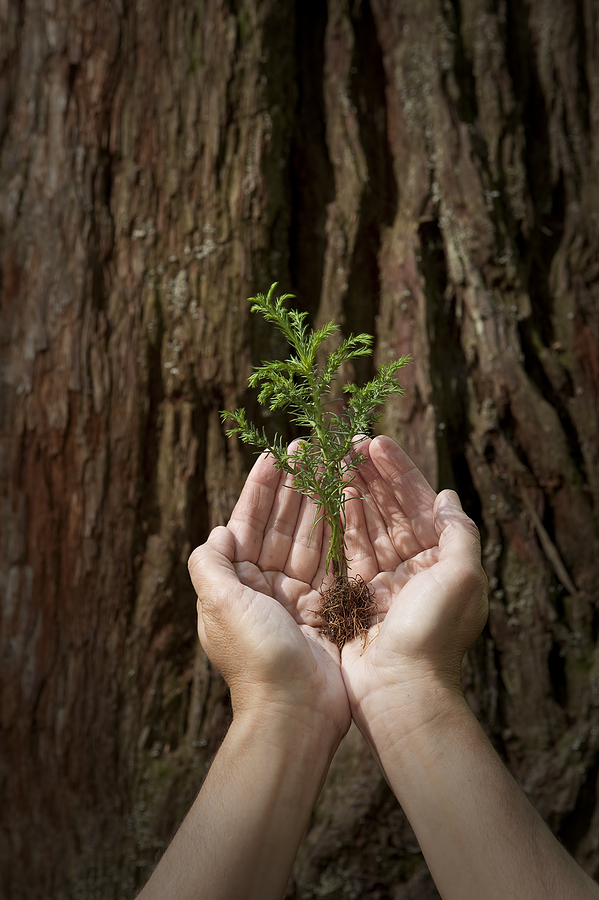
347, 609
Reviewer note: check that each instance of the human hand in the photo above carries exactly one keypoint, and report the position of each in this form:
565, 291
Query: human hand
421, 554
257, 581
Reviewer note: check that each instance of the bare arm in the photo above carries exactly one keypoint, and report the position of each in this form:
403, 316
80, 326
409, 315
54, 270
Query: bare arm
241, 835
257, 583
478, 832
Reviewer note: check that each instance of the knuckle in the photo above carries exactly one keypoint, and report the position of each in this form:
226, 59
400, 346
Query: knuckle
195, 560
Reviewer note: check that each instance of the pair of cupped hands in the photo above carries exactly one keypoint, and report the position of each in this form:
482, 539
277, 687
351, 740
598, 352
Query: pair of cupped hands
258, 581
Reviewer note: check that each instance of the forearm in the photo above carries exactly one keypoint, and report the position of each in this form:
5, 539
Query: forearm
478, 832
241, 835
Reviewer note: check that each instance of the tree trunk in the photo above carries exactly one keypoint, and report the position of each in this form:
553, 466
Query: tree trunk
426, 172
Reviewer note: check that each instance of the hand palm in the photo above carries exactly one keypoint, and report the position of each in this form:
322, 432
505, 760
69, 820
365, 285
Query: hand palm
395, 544
271, 551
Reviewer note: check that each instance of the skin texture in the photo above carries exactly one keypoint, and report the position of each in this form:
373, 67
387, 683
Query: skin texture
257, 583
478, 832
293, 694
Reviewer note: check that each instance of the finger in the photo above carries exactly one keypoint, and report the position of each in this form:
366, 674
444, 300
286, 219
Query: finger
213, 576
392, 532
305, 554
320, 576
211, 564
404, 496
281, 526
458, 535
459, 552
371, 546
360, 445
361, 555
252, 511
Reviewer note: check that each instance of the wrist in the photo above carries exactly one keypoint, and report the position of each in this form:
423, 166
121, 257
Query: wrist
290, 727
313, 702
392, 717
296, 746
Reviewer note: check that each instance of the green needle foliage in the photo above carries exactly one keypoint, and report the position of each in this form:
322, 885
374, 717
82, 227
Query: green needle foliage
322, 465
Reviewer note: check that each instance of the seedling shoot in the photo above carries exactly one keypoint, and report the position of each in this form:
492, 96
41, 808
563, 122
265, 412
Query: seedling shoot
322, 464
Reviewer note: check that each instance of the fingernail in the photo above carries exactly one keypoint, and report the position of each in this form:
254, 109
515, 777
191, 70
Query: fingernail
454, 500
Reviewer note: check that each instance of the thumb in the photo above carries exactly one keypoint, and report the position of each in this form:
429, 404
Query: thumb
212, 560
450, 500
460, 551
450, 519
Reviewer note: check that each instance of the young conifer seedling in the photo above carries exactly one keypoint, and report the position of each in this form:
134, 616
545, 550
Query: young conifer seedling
322, 465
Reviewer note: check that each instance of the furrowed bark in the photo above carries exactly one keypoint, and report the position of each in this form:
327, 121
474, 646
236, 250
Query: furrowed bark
427, 174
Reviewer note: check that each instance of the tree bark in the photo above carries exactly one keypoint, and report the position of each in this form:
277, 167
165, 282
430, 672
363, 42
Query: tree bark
427, 173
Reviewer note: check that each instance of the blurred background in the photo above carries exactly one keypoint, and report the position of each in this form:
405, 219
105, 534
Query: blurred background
423, 171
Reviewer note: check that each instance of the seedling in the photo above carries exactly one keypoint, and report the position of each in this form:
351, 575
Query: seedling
323, 464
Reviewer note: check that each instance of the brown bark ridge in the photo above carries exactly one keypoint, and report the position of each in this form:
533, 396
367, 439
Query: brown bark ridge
426, 172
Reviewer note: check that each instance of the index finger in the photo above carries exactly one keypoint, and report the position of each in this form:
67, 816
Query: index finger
403, 495
252, 511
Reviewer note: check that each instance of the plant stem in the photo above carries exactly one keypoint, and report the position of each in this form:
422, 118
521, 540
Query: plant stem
331, 467
324, 464
338, 551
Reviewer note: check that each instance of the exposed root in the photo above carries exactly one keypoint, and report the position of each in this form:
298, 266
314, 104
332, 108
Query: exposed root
347, 609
